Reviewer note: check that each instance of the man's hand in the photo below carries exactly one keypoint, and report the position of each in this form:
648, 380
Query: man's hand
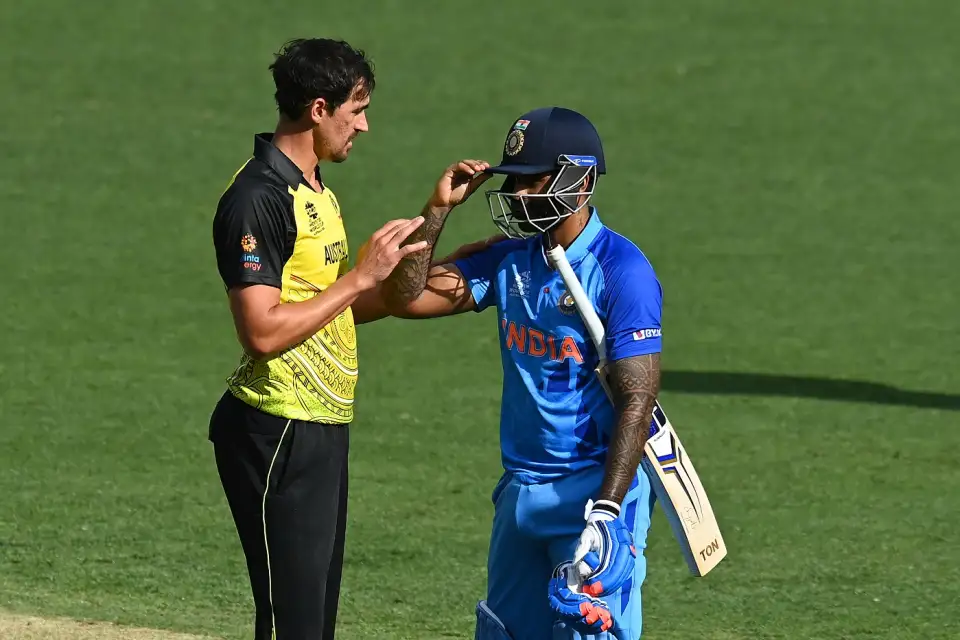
605, 555
458, 183
405, 285
382, 252
582, 613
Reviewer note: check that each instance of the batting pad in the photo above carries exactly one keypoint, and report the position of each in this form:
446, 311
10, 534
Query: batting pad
489, 626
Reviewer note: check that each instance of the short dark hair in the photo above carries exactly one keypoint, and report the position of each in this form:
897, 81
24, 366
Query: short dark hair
307, 69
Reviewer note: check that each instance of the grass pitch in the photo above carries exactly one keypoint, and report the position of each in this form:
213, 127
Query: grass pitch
789, 168
19, 627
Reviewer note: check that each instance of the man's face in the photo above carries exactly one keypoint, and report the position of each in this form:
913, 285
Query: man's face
536, 208
333, 132
530, 184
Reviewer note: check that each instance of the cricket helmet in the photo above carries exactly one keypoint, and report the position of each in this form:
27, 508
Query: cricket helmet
550, 140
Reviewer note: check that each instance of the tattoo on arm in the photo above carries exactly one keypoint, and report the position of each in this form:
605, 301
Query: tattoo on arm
635, 383
409, 279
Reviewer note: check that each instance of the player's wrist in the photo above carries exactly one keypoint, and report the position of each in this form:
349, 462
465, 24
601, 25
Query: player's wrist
358, 281
436, 207
602, 510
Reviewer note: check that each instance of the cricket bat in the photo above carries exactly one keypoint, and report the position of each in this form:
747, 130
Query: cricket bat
672, 475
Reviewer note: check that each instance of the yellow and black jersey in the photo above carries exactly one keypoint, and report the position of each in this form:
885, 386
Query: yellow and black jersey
272, 228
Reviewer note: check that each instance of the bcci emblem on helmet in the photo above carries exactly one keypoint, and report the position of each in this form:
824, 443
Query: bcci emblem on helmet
514, 143
566, 304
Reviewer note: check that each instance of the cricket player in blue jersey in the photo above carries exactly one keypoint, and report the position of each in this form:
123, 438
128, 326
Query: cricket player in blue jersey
573, 507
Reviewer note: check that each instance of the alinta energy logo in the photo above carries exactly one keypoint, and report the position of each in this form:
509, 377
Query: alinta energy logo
248, 243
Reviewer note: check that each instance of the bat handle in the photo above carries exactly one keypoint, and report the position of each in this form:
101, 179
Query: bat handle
589, 315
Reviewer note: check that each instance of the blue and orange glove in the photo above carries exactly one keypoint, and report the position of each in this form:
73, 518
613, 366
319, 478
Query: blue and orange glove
605, 556
582, 613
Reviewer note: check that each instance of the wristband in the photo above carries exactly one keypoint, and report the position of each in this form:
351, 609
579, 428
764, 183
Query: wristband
601, 510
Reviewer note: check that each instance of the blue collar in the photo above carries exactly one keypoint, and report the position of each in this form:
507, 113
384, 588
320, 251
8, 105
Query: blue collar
577, 250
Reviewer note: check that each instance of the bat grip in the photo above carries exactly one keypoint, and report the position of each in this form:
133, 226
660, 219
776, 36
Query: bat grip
589, 315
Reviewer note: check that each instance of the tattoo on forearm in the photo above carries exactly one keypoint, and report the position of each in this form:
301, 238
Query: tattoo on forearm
635, 383
409, 279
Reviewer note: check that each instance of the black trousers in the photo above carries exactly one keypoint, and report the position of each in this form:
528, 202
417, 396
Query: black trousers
286, 483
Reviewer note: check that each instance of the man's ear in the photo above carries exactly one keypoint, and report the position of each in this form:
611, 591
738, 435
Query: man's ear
587, 182
317, 110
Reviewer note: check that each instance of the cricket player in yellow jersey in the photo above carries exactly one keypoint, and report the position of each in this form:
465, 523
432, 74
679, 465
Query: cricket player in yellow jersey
280, 431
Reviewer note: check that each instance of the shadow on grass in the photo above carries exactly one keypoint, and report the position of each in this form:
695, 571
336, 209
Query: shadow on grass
763, 384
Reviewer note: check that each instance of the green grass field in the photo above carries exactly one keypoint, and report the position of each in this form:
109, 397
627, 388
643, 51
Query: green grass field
789, 169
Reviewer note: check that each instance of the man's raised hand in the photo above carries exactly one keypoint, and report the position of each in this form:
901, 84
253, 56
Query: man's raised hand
458, 183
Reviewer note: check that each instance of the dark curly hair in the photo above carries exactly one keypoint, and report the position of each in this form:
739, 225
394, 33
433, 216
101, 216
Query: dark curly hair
307, 69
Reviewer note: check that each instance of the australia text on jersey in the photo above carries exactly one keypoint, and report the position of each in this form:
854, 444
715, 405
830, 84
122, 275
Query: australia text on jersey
335, 252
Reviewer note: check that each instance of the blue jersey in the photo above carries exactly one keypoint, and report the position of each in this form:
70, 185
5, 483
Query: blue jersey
555, 418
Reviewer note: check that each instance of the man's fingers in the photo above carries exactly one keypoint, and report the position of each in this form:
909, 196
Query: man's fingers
472, 167
403, 231
413, 248
478, 179
606, 619
387, 228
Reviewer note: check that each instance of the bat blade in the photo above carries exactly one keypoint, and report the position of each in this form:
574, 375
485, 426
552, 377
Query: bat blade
679, 491
672, 476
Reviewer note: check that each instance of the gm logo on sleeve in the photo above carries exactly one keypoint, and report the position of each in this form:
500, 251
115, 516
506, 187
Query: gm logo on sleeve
643, 334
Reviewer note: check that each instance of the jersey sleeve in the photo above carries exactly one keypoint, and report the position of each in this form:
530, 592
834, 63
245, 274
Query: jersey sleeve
250, 236
633, 301
480, 271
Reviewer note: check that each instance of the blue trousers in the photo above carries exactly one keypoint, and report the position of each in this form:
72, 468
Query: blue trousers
535, 528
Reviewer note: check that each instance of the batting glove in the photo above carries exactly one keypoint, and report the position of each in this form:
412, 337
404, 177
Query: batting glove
582, 613
605, 555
